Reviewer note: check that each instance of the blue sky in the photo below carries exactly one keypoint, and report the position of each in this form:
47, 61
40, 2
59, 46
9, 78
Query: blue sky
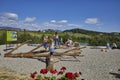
97, 15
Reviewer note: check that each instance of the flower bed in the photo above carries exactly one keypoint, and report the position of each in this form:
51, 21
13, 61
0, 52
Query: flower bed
55, 75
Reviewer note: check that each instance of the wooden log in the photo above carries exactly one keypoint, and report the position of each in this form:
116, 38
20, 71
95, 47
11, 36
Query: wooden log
32, 55
21, 55
10, 52
49, 64
77, 48
46, 54
36, 48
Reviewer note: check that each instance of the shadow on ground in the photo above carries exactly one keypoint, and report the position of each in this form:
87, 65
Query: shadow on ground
7, 49
42, 60
117, 75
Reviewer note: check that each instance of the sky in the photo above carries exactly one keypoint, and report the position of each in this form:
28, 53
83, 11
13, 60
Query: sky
95, 15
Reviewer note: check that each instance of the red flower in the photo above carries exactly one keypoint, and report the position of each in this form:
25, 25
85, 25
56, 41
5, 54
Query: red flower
76, 74
32, 75
60, 73
63, 68
70, 75
53, 71
44, 71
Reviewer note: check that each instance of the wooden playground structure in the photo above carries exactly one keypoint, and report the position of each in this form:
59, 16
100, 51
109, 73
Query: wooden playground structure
31, 54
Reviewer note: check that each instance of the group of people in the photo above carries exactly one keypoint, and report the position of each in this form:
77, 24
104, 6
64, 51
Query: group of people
113, 46
53, 42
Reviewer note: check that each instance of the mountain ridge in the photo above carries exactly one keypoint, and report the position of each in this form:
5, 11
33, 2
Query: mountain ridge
75, 30
83, 31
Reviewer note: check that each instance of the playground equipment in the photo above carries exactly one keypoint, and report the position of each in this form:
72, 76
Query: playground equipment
32, 54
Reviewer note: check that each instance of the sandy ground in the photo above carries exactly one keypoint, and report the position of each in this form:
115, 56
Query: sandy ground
6, 74
94, 64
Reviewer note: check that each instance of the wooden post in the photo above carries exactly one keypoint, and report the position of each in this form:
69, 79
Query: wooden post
6, 39
49, 64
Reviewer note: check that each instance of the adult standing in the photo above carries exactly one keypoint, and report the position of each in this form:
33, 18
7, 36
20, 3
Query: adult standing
56, 39
108, 46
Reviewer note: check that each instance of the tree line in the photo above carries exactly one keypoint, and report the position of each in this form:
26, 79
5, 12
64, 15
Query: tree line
37, 37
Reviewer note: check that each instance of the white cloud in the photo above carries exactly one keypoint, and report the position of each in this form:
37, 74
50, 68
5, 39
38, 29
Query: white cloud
28, 19
10, 16
75, 25
47, 24
63, 21
53, 21
11, 20
91, 21
60, 22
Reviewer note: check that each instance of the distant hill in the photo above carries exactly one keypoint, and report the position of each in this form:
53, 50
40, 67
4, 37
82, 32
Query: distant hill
75, 30
8, 28
83, 31
52, 30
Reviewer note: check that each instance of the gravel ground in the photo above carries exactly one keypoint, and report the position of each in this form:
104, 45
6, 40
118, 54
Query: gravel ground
94, 65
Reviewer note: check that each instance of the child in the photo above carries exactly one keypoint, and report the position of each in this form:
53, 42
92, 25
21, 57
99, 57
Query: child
68, 43
51, 47
45, 42
114, 46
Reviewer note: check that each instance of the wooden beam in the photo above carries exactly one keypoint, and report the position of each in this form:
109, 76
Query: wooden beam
10, 52
45, 54
31, 55
36, 48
